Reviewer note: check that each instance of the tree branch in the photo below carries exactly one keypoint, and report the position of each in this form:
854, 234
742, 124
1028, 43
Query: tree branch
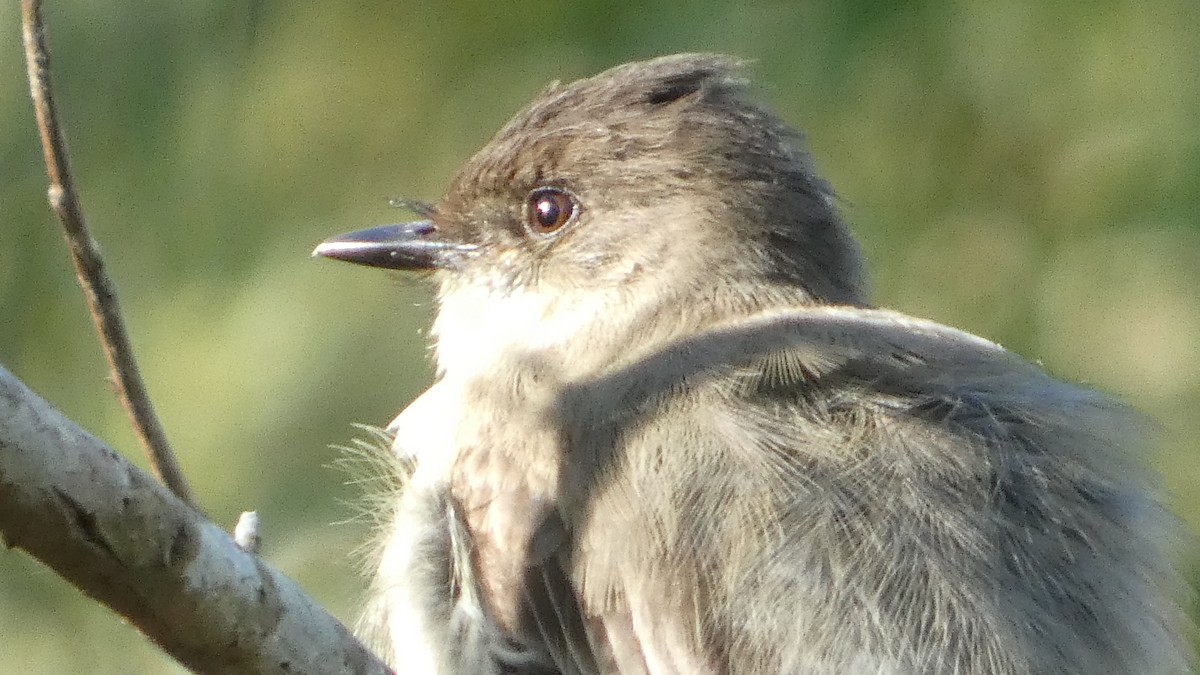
89, 265
123, 539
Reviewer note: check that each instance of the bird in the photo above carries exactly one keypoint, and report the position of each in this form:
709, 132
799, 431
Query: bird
669, 434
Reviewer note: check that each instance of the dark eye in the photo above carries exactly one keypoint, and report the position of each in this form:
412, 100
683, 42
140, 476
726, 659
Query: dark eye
549, 210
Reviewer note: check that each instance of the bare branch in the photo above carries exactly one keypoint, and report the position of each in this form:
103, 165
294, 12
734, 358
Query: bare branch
89, 265
123, 539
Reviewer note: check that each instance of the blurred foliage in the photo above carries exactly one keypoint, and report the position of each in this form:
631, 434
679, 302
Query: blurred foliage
1028, 170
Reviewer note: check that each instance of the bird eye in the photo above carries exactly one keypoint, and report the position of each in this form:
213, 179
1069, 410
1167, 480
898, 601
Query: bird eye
549, 210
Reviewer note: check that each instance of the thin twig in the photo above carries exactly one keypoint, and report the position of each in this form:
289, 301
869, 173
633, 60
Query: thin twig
89, 265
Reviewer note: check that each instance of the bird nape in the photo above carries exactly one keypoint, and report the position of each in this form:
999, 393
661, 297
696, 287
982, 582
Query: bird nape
669, 434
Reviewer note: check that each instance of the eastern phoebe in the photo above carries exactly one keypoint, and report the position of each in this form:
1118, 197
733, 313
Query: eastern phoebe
669, 435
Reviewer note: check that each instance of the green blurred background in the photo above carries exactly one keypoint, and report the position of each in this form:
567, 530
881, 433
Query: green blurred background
1025, 170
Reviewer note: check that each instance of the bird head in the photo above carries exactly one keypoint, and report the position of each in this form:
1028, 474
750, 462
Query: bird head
655, 179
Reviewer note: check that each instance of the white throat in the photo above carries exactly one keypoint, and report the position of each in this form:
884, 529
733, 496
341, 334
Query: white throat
480, 328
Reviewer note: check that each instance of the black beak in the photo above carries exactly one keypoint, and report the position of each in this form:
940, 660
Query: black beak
406, 246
